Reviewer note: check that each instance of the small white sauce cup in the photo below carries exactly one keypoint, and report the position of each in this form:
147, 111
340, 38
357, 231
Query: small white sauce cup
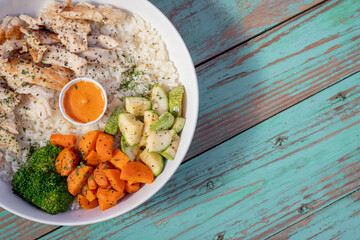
67, 86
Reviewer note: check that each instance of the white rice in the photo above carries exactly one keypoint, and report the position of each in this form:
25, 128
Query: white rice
141, 46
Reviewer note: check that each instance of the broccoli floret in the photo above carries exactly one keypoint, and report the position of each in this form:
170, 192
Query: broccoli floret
46, 190
44, 158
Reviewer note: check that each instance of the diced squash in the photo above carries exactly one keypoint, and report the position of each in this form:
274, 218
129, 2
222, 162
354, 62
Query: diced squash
85, 203
100, 176
93, 158
113, 176
119, 159
88, 142
131, 187
104, 146
77, 178
66, 141
137, 172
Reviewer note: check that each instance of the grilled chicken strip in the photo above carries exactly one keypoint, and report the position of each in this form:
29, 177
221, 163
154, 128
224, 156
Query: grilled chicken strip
39, 108
101, 56
61, 57
112, 15
8, 141
72, 33
20, 73
10, 29
74, 42
33, 23
82, 12
8, 47
38, 101
37, 91
102, 14
8, 122
37, 38
8, 100
37, 54
102, 41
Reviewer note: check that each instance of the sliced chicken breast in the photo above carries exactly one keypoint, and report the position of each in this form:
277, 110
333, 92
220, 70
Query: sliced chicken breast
82, 12
37, 91
102, 14
39, 107
111, 15
8, 122
33, 23
8, 141
8, 100
20, 73
101, 56
72, 33
37, 38
102, 41
8, 46
10, 29
61, 57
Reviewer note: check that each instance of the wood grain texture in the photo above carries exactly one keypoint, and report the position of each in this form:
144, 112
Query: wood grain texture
257, 183
338, 221
211, 27
276, 70
13, 227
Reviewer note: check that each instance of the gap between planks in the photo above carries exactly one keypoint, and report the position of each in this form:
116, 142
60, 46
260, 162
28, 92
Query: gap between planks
317, 211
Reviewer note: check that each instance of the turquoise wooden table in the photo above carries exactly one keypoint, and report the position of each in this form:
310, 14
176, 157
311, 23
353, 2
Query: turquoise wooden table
276, 154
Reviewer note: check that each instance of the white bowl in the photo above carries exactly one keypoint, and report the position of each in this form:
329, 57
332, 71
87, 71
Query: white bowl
179, 54
67, 86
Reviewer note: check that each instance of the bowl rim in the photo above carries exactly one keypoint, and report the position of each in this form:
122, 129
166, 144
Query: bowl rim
62, 95
185, 145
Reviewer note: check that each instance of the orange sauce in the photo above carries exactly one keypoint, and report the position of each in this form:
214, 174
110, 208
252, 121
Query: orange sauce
84, 102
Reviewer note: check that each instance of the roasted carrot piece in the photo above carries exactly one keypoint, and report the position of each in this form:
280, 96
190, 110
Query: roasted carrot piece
108, 195
91, 182
88, 142
85, 203
66, 141
137, 172
119, 159
103, 205
131, 187
104, 146
69, 161
88, 193
93, 158
113, 176
77, 178
99, 175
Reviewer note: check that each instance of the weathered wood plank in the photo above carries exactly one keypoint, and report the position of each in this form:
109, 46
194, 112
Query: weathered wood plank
338, 221
257, 183
13, 227
210, 27
275, 71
